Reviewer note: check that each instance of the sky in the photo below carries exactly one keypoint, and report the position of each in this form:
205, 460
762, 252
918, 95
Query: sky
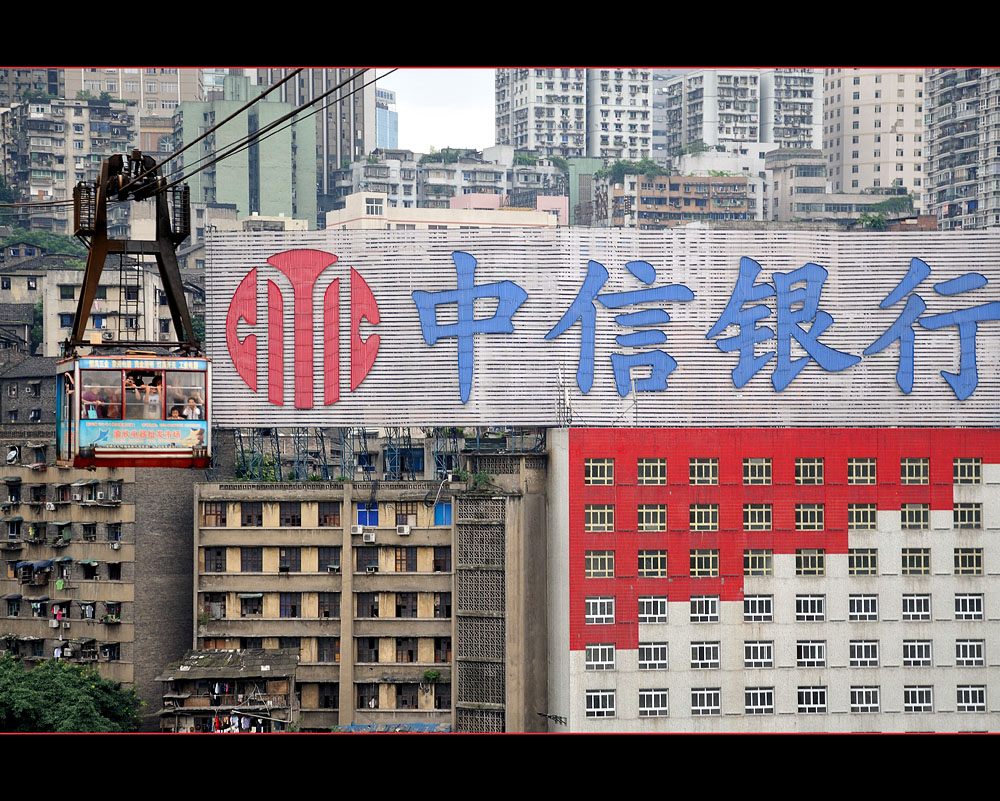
443, 107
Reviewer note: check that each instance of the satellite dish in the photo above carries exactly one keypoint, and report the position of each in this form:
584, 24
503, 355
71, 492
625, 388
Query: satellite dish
13, 454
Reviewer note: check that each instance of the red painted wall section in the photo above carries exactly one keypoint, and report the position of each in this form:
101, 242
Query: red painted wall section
275, 345
363, 307
302, 268
243, 306
730, 447
331, 343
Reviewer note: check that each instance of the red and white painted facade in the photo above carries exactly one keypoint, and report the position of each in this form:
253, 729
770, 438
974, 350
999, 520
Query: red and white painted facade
948, 651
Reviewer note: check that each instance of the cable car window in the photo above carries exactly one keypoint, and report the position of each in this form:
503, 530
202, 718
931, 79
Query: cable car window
100, 394
185, 395
143, 395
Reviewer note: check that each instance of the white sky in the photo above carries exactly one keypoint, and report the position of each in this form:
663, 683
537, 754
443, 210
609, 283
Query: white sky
443, 107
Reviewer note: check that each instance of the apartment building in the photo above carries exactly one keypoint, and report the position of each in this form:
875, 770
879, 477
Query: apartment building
373, 210
157, 91
16, 81
619, 113
962, 186
873, 130
51, 145
650, 203
774, 580
543, 110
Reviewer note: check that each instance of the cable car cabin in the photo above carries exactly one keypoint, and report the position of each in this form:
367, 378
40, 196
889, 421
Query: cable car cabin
134, 410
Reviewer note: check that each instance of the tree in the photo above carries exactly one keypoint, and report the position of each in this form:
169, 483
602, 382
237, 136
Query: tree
57, 696
47, 241
873, 222
37, 323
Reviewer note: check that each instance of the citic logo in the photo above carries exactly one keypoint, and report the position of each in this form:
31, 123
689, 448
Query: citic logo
302, 268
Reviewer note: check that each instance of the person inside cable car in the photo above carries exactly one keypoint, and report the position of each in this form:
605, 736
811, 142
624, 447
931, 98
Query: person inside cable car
154, 399
175, 413
194, 410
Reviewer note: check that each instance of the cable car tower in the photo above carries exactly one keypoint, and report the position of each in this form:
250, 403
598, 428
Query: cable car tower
134, 403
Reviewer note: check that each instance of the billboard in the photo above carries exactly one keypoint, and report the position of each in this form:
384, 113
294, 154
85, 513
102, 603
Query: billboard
604, 327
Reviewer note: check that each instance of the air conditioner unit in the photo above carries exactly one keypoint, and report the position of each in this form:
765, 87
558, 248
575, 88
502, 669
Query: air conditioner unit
50, 506
12, 499
100, 496
115, 546
356, 530
450, 477
77, 496
282, 568
368, 536
403, 531
107, 336
53, 624
371, 569
333, 568
65, 624
164, 337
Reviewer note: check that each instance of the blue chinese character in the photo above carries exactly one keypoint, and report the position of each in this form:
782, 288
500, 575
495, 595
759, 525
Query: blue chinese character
964, 382
661, 364
788, 324
509, 298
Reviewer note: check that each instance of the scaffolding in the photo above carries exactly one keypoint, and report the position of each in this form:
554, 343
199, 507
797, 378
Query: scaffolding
399, 463
445, 448
258, 454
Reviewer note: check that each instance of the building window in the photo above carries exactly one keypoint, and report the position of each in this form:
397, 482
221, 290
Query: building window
652, 656
251, 605
704, 608
704, 471
329, 513
652, 564
251, 560
968, 561
810, 653
705, 655
406, 604
968, 607
329, 604
367, 604
758, 608
756, 471
290, 604
367, 559
368, 515
916, 561
704, 563
862, 516
600, 703
970, 653
600, 657
808, 517
213, 513
328, 558
652, 608
252, 513
442, 559
971, 699
916, 653
652, 517
442, 695
758, 654
862, 607
864, 699
652, 703
442, 605
599, 471
215, 560
599, 564
706, 701
862, 562
968, 515
916, 607
442, 513
811, 700
289, 560
599, 610
864, 653
810, 608
651, 471
914, 516
808, 471
406, 513
757, 517
599, 517
914, 471
704, 517
758, 562
918, 699
406, 559
406, 649
758, 700
290, 513
65, 320
810, 562
968, 471
368, 693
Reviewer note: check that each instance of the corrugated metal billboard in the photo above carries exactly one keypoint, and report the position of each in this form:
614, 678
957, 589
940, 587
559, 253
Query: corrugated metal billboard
604, 328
